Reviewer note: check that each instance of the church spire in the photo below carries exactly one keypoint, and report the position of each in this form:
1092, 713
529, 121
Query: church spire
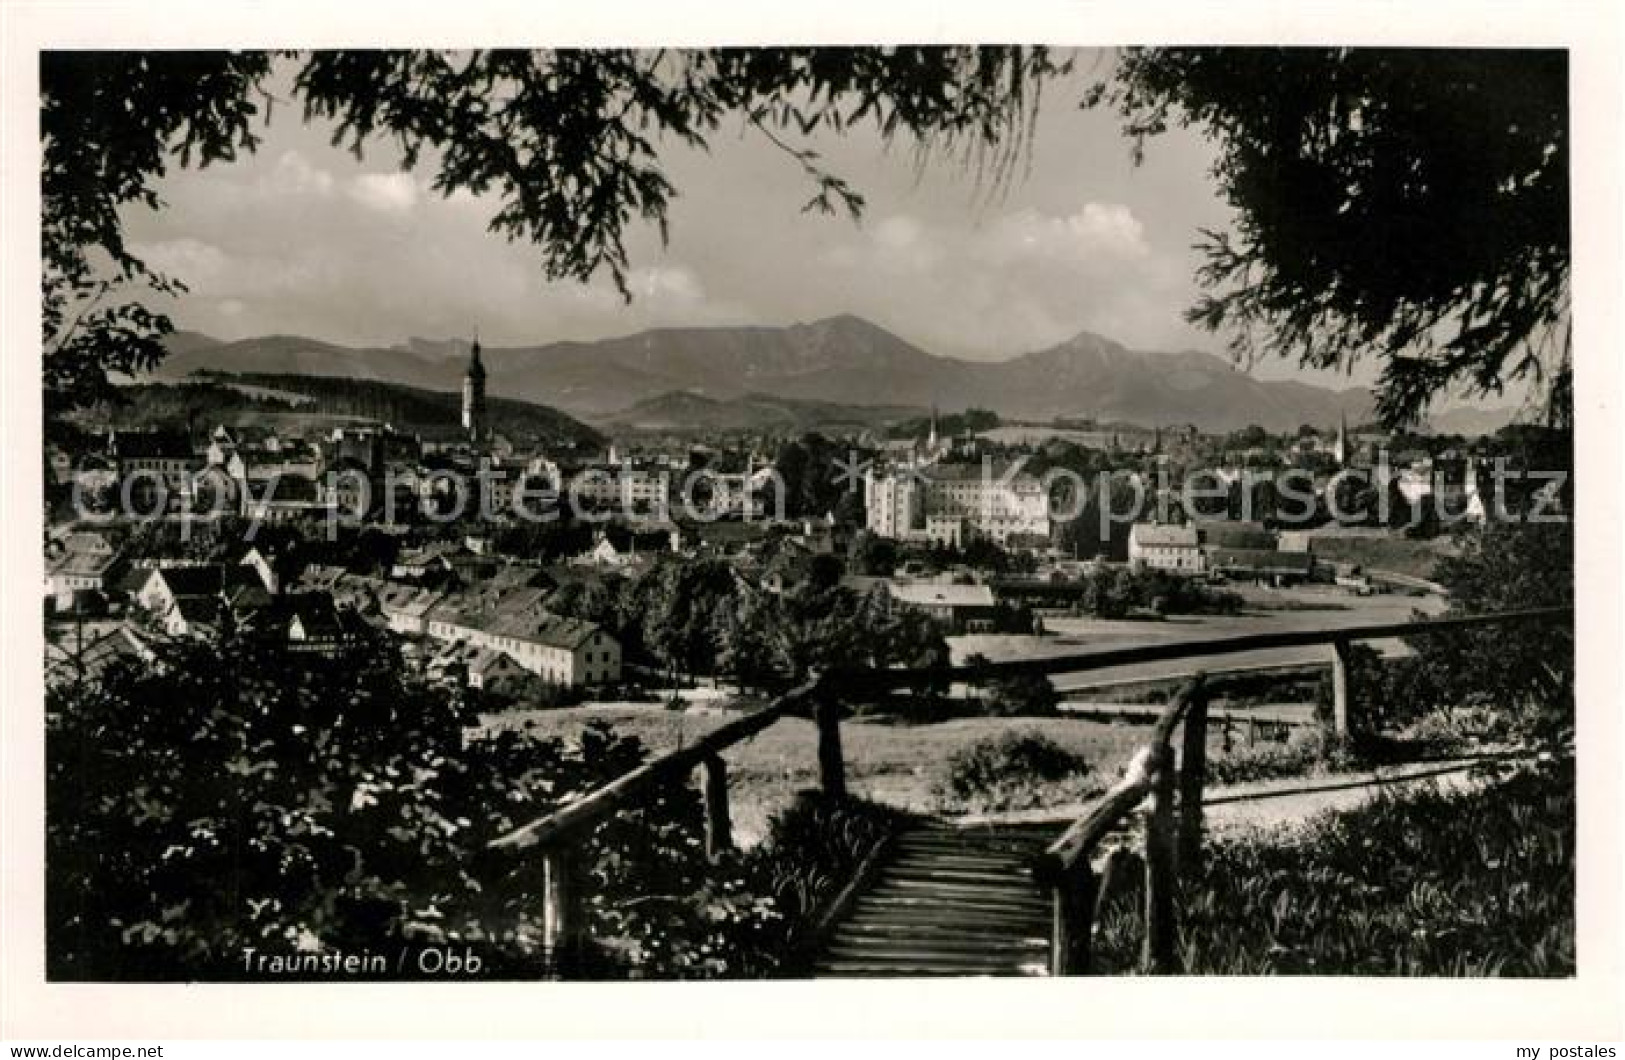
474, 394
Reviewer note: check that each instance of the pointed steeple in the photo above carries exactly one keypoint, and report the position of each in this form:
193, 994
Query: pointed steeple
1341, 449
474, 394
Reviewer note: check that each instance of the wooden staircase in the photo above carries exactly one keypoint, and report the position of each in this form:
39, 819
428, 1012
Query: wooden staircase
947, 900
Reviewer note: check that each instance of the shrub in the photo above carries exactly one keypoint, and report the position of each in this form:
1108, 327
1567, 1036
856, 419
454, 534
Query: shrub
1385, 694
812, 850
1009, 771
1028, 695
243, 798
1308, 752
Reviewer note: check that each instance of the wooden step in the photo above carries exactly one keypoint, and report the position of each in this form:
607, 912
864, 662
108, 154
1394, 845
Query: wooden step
1004, 893
914, 969
1000, 844
1003, 948
949, 902
950, 874
1020, 867
969, 899
891, 911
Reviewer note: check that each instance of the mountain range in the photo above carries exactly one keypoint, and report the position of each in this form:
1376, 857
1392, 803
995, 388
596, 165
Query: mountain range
674, 377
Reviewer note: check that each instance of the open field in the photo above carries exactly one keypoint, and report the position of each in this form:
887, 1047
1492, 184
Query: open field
894, 764
897, 764
1080, 635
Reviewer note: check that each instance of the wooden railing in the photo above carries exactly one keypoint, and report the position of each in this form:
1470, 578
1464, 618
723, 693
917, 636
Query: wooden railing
555, 835
1066, 868
1173, 827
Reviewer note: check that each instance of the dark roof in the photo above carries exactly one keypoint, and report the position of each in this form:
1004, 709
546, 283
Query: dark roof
1260, 560
197, 610
545, 628
1236, 535
208, 580
317, 613
152, 445
296, 488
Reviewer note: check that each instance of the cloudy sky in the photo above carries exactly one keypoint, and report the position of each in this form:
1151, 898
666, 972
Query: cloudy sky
303, 238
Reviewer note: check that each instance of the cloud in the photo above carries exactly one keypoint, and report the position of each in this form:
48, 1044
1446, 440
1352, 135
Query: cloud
666, 285
1095, 230
192, 261
300, 237
389, 193
294, 174
1018, 281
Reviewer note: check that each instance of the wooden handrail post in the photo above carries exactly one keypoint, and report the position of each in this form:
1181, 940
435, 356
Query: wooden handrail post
714, 790
1341, 648
1072, 901
831, 765
561, 924
1160, 956
1192, 779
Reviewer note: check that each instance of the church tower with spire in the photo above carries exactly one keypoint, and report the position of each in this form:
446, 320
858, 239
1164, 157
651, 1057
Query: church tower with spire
474, 395
1340, 449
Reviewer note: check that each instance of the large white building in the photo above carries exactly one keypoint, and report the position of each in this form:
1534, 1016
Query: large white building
1165, 547
953, 503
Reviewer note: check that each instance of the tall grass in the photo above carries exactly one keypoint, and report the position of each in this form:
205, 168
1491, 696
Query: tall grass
1423, 883
813, 848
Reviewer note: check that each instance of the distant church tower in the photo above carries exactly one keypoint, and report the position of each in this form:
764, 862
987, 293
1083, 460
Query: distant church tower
474, 396
1340, 450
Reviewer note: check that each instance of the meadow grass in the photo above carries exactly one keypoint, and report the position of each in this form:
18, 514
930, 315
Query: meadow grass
1417, 883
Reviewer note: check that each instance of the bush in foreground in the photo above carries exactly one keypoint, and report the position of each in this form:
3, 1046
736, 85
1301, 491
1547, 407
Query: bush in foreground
1013, 770
233, 799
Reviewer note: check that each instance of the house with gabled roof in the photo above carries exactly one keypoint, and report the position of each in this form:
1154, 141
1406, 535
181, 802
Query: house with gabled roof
508, 614
192, 616
165, 585
405, 608
71, 660
1167, 547
74, 574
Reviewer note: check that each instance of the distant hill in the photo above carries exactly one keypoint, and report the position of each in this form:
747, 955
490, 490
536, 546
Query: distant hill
684, 412
276, 399
842, 360
1470, 422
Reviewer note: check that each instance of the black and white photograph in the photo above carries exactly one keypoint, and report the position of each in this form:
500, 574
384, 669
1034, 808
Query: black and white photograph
624, 514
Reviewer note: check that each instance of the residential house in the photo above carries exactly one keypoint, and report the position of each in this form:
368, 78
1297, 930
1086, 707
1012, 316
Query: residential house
963, 608
405, 608
1271, 566
1166, 547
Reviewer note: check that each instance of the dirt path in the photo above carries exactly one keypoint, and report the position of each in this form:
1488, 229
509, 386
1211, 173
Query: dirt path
1292, 800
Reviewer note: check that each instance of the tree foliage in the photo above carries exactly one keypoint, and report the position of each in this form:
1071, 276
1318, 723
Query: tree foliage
226, 799
1411, 204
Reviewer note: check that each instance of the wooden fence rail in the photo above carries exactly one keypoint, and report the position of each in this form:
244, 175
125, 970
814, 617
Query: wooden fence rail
1173, 830
1174, 823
